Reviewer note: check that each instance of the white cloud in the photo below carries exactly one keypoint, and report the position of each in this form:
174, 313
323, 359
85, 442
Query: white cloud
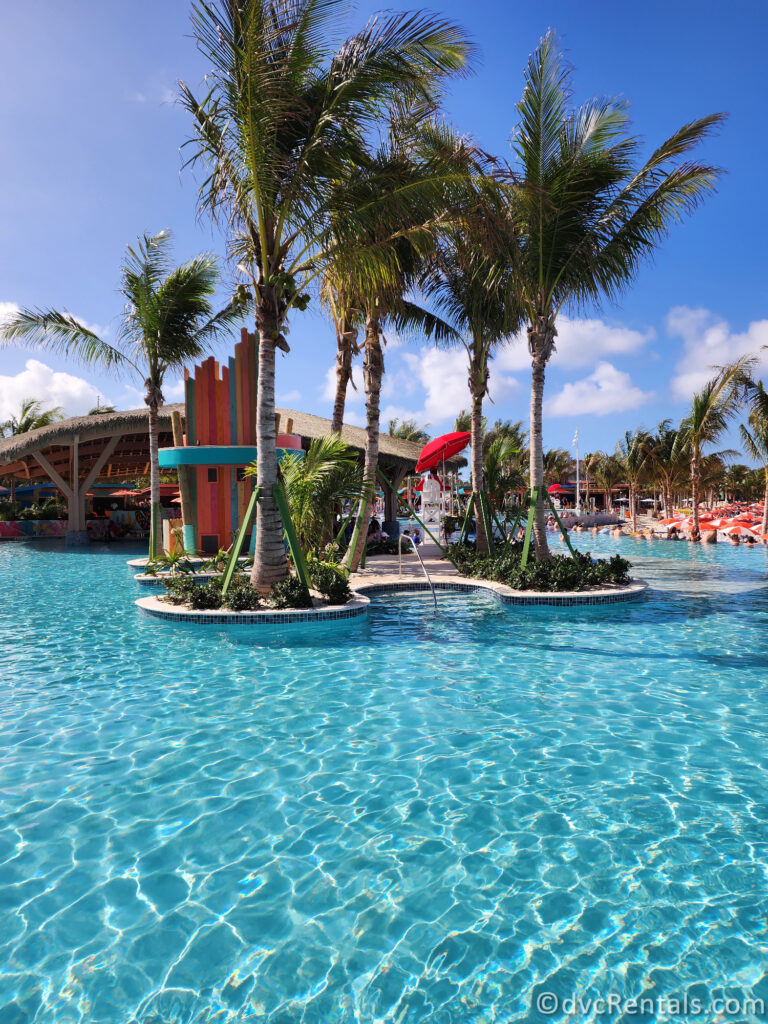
580, 342
7, 310
708, 342
328, 390
604, 391
74, 394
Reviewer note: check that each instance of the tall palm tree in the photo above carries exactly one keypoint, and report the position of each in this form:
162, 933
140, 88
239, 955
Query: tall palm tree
168, 321
755, 438
587, 215
347, 321
712, 409
409, 430
632, 453
501, 472
282, 120
669, 461
608, 473
31, 416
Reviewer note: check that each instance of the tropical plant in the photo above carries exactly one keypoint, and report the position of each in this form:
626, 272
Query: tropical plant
463, 422
632, 453
31, 416
99, 410
755, 436
608, 473
168, 321
500, 470
711, 411
347, 320
282, 121
409, 430
317, 485
586, 214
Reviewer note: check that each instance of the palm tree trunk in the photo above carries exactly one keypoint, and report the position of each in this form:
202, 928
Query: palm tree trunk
764, 528
270, 564
155, 517
536, 454
695, 493
345, 341
373, 371
482, 543
633, 503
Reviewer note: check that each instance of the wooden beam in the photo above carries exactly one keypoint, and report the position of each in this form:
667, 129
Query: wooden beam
54, 476
99, 463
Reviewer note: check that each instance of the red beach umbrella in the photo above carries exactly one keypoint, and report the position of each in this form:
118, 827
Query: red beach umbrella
441, 448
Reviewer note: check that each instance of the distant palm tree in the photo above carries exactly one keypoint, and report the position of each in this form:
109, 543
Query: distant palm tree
669, 461
501, 471
586, 214
99, 410
347, 321
712, 409
557, 465
755, 439
463, 422
31, 416
608, 473
282, 121
168, 321
632, 453
409, 430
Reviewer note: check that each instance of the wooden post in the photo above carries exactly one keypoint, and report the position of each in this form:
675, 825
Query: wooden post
189, 529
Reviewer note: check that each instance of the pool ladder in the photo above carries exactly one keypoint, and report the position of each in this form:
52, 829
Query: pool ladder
415, 547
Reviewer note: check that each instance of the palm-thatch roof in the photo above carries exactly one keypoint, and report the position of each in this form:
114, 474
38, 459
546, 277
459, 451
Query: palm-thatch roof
131, 453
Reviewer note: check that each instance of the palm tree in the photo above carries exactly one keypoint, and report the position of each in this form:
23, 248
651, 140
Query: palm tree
499, 469
471, 285
608, 473
409, 430
712, 409
632, 452
590, 463
668, 460
167, 322
347, 320
755, 440
557, 465
282, 121
587, 215
31, 416
463, 422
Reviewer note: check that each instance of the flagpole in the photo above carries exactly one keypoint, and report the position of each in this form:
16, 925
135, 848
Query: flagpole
577, 509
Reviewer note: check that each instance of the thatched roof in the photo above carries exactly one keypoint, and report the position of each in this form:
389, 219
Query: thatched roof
132, 452
85, 428
391, 449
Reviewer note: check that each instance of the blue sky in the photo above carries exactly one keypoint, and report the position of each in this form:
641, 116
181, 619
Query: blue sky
91, 138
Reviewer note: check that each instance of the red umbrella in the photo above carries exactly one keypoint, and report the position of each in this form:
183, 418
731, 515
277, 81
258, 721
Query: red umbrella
441, 448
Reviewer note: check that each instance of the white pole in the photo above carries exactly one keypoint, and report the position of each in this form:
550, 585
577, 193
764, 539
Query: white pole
578, 481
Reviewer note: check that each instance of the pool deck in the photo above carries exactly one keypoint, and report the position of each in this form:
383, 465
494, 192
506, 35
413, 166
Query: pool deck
384, 568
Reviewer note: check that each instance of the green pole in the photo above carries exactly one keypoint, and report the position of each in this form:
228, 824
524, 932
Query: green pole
239, 540
297, 554
563, 530
484, 502
467, 517
529, 526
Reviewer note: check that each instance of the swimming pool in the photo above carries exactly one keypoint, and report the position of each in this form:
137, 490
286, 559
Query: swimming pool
403, 819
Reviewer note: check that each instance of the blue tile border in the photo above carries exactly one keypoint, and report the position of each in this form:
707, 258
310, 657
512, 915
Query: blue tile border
519, 598
157, 609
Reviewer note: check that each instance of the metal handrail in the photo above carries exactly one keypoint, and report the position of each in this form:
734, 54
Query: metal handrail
421, 563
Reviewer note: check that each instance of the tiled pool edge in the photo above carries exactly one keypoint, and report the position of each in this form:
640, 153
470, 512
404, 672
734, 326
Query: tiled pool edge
359, 605
461, 584
158, 609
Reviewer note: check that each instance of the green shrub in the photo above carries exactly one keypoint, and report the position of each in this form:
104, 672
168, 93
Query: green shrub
179, 589
561, 572
330, 581
290, 593
241, 595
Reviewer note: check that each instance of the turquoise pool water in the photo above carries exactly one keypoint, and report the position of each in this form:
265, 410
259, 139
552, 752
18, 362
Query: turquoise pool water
402, 820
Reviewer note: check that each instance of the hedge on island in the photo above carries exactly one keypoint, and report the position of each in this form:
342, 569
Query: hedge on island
579, 571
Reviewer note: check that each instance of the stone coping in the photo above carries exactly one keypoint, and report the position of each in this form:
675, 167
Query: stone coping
139, 563
269, 617
463, 584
